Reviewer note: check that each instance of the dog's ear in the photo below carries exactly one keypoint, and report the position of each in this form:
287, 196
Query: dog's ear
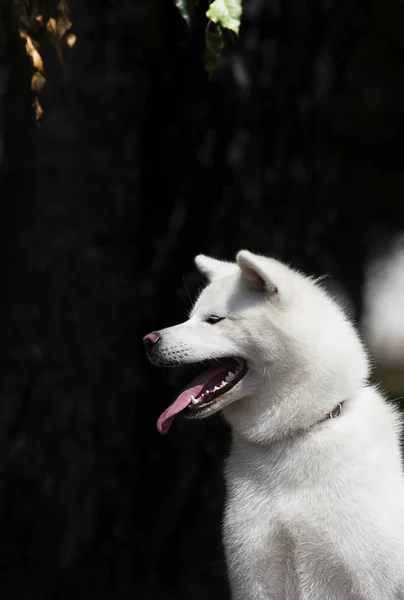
212, 268
253, 269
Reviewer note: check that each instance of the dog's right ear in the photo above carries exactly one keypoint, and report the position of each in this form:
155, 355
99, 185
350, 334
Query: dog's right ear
212, 268
254, 271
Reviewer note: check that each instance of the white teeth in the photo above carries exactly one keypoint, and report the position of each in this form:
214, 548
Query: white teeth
194, 400
207, 392
230, 376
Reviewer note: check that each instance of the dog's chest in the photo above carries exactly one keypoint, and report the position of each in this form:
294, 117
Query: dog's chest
256, 533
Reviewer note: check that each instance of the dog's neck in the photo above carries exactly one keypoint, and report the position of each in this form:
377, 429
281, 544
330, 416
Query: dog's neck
265, 418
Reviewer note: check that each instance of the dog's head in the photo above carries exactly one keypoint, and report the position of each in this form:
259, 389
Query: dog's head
259, 333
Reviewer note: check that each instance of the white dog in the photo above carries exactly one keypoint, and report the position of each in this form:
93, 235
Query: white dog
315, 487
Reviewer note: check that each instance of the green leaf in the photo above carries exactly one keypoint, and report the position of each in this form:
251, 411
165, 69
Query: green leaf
213, 46
226, 13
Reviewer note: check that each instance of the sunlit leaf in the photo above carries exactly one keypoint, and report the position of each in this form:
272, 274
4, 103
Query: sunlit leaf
33, 53
226, 13
51, 26
38, 81
71, 40
37, 109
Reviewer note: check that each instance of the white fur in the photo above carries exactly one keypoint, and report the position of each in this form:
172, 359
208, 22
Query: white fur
314, 511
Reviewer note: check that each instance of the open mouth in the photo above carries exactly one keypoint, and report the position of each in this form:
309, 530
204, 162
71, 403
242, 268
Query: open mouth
205, 390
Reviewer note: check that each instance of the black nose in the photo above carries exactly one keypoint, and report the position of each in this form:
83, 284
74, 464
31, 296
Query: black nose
150, 340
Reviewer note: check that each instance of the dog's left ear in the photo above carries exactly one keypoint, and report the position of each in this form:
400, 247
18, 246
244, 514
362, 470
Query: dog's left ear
254, 272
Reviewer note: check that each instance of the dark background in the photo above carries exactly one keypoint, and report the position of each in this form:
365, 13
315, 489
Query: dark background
293, 148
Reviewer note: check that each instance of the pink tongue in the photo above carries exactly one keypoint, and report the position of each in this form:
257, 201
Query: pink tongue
184, 399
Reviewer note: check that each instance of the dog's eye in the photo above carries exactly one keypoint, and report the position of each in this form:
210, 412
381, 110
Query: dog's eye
212, 319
